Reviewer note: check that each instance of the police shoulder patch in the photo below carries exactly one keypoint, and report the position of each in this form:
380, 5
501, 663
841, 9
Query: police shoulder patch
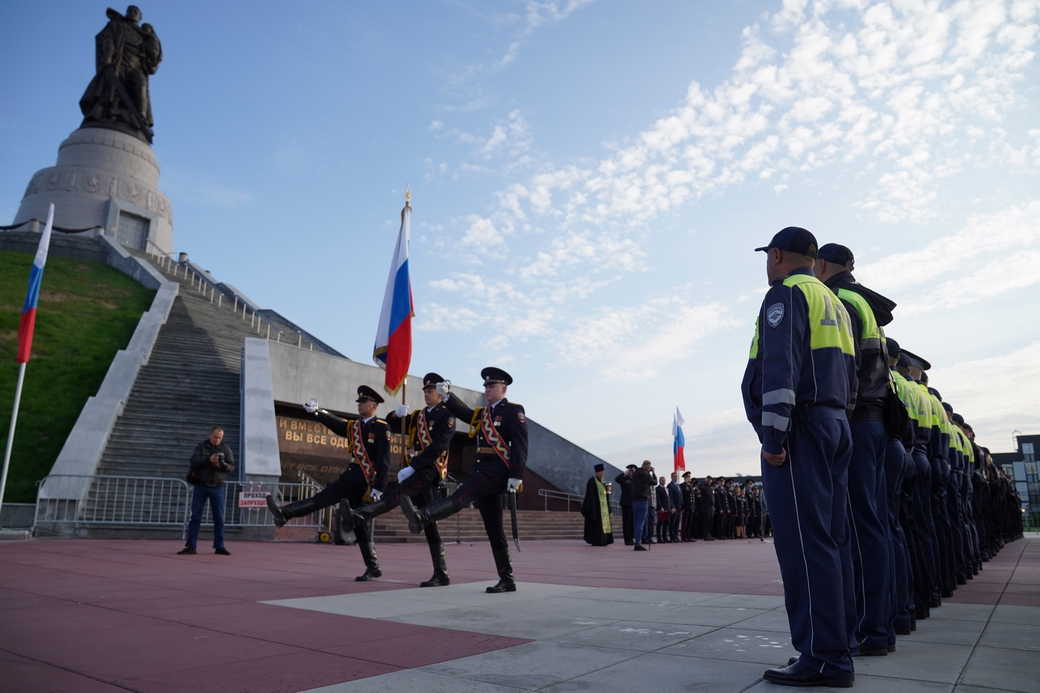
775, 314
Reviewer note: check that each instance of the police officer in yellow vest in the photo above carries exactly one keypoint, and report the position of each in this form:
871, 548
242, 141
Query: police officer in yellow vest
799, 384
868, 551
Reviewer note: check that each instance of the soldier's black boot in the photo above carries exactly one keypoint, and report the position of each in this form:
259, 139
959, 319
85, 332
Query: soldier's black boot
505, 572
418, 518
284, 513
344, 522
363, 530
440, 564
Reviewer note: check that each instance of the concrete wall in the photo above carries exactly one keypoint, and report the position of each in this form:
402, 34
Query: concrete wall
299, 375
259, 454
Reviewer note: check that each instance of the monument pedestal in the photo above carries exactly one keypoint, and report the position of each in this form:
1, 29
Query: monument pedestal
104, 178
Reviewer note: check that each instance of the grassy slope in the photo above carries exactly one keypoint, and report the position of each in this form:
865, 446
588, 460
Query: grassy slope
87, 312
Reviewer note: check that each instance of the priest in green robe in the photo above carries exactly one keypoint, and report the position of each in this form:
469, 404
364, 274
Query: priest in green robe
596, 509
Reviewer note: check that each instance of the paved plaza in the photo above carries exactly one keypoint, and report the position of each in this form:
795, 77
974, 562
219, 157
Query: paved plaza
95, 615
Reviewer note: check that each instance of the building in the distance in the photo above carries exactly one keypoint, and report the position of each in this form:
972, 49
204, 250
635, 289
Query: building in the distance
1021, 466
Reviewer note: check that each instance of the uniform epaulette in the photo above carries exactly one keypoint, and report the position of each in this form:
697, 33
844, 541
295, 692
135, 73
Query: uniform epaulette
382, 421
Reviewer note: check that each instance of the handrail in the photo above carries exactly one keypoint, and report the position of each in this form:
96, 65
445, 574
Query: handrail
554, 494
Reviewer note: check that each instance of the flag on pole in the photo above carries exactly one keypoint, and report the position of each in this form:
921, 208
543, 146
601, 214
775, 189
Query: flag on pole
28, 322
678, 442
393, 347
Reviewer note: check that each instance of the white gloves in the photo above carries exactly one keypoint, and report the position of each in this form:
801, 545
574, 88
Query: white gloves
404, 474
376, 494
401, 411
310, 406
443, 388
514, 485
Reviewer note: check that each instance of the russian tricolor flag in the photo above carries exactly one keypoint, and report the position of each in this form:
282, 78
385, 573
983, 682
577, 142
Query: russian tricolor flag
28, 322
393, 348
679, 442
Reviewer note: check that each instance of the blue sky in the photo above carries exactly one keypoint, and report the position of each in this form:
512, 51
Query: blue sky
589, 179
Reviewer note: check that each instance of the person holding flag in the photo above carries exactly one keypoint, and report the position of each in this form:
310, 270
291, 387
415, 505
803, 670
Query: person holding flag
26, 328
500, 428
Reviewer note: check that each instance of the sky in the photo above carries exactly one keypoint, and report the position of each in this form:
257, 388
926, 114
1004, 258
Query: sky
589, 179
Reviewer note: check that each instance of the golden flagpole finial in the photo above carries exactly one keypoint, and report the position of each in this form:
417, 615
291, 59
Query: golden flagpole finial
407, 196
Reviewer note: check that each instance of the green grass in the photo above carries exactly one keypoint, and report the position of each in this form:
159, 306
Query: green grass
87, 312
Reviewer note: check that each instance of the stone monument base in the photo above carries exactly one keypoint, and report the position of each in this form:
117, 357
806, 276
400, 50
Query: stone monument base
104, 178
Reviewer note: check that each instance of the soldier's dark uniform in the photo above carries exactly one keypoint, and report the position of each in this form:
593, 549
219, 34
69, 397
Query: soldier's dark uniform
427, 432
497, 461
706, 508
369, 441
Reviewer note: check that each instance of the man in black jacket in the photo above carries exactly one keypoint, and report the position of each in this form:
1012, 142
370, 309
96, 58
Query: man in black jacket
664, 512
624, 482
675, 503
500, 428
369, 439
211, 462
642, 487
706, 507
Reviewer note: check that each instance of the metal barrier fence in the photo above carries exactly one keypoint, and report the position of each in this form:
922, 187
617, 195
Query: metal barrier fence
64, 500
554, 495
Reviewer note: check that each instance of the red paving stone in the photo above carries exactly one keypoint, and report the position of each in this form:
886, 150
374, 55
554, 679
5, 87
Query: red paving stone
99, 615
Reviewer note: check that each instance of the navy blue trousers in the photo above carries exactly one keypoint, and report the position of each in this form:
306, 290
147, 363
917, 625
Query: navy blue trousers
902, 603
869, 540
807, 499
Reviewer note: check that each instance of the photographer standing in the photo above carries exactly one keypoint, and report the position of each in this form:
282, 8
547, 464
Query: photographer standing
211, 462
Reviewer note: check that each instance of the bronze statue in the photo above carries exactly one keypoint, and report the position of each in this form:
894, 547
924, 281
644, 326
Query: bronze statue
125, 54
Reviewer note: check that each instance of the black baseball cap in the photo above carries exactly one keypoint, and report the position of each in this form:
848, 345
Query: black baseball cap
838, 254
795, 239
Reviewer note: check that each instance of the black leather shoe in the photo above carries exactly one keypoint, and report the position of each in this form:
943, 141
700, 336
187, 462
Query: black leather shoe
187, 551
222, 551
438, 580
279, 518
904, 630
502, 586
639, 547
369, 574
804, 676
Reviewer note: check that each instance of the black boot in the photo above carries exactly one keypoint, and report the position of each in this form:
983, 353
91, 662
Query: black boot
418, 518
505, 572
284, 513
345, 522
363, 530
440, 565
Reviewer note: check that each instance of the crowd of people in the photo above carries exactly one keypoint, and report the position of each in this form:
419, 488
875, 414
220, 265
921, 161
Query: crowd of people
881, 501
683, 509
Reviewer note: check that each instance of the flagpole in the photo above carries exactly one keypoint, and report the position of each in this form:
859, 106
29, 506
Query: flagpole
10, 433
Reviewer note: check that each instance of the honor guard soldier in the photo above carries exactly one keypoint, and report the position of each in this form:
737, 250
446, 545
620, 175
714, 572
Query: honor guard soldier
427, 434
799, 383
866, 554
500, 429
369, 440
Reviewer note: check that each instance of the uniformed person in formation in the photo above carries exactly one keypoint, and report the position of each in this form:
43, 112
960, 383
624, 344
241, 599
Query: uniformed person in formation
799, 383
866, 553
365, 477
500, 429
427, 434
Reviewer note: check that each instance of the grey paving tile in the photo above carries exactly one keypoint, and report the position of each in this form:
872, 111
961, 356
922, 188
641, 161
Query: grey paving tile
1025, 615
512, 622
361, 605
692, 614
775, 621
752, 601
944, 630
867, 684
1012, 636
631, 635
978, 689
661, 597
964, 612
413, 680
1016, 670
665, 674
531, 666
920, 661
736, 644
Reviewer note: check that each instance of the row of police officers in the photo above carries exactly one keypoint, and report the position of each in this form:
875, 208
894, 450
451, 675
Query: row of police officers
881, 502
